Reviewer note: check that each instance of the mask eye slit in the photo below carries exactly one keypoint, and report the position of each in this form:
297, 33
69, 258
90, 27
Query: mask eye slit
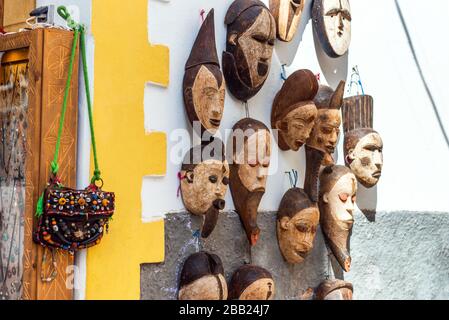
213, 179
343, 197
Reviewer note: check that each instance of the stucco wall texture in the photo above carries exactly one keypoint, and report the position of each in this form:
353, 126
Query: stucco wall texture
400, 255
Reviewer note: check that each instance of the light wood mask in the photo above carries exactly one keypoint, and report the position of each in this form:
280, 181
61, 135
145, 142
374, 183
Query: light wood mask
202, 278
362, 145
251, 32
287, 14
294, 112
332, 25
338, 188
204, 85
334, 290
298, 215
204, 182
249, 170
326, 130
250, 282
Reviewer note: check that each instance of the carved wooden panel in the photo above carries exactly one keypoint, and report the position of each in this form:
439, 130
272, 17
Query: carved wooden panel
14, 13
48, 54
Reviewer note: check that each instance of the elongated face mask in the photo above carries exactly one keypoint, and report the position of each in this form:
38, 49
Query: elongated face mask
204, 85
338, 188
332, 24
287, 14
249, 171
250, 42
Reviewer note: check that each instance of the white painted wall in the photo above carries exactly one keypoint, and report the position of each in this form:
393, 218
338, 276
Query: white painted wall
416, 156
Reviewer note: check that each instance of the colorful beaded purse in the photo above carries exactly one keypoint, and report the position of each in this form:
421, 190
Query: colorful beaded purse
74, 219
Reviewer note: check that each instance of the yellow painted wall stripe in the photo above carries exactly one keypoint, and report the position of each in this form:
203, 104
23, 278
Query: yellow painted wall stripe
124, 62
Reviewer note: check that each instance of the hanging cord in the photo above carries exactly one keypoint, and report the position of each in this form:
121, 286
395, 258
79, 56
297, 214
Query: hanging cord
283, 72
246, 108
53, 268
202, 12
79, 33
356, 81
421, 74
293, 177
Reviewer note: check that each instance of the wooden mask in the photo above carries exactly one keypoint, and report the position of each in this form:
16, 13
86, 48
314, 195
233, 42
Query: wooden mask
338, 188
294, 111
204, 85
332, 25
204, 182
334, 290
326, 130
202, 278
249, 47
298, 215
249, 171
251, 282
362, 145
287, 14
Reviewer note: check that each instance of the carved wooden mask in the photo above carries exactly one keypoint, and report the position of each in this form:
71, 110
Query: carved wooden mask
338, 188
334, 290
326, 130
204, 85
204, 182
297, 221
249, 170
294, 111
250, 41
202, 278
251, 282
287, 14
362, 145
332, 25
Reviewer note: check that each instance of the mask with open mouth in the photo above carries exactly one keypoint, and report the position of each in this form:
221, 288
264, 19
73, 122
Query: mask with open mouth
204, 182
251, 282
204, 85
332, 25
362, 145
251, 142
251, 33
294, 112
326, 130
338, 188
287, 14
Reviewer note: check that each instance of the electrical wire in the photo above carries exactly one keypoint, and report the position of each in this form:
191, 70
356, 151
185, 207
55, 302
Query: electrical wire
421, 73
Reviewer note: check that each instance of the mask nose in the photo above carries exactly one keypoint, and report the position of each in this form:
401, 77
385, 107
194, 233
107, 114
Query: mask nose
378, 161
349, 206
261, 173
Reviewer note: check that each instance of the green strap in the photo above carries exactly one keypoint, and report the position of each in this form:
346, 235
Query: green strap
79, 34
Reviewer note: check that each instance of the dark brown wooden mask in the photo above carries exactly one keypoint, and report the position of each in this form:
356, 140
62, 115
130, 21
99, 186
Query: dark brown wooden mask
251, 151
204, 182
287, 14
204, 86
334, 290
202, 278
251, 282
338, 188
294, 111
250, 41
332, 25
362, 145
326, 130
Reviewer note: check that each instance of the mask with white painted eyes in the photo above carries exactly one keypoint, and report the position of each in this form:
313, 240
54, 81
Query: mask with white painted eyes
250, 282
249, 171
362, 145
251, 32
338, 189
332, 25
